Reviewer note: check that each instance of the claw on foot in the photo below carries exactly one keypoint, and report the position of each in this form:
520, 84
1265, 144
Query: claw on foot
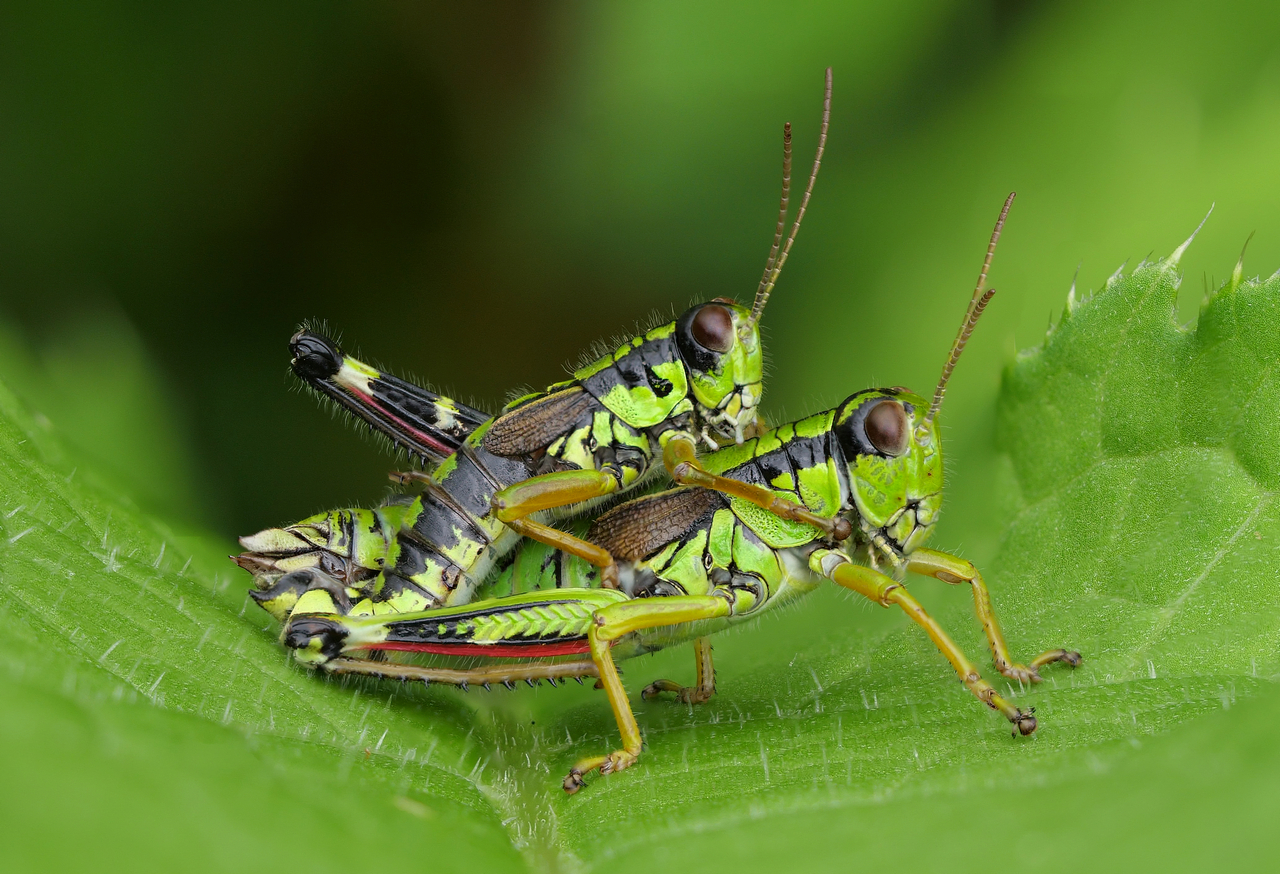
1068, 656
684, 694
618, 760
1025, 721
1031, 674
657, 687
1021, 674
573, 782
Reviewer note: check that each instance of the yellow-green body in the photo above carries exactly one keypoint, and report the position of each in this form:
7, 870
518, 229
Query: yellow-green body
730, 548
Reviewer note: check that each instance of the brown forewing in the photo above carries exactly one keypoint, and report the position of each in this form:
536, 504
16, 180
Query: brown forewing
639, 528
532, 427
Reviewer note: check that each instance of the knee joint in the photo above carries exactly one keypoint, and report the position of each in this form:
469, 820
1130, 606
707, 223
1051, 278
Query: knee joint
966, 574
314, 639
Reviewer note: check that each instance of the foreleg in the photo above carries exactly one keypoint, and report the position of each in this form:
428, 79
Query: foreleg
680, 457
953, 570
885, 591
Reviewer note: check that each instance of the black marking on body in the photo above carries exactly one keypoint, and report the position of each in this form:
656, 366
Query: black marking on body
302, 581
562, 571
836, 452
635, 369
421, 409
441, 525
661, 387
433, 496
346, 525
798, 453
391, 584
649, 585
414, 552
343, 569
302, 630
412, 558
470, 484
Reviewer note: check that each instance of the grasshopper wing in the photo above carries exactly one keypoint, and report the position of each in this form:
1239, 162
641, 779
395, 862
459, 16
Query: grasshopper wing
532, 427
639, 528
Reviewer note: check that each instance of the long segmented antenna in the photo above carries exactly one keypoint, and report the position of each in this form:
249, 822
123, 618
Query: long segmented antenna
977, 304
774, 265
782, 207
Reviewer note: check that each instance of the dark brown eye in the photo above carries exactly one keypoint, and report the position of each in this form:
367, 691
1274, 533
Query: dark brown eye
886, 427
712, 328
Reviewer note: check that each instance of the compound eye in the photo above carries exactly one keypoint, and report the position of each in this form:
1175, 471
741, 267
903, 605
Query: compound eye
712, 328
887, 428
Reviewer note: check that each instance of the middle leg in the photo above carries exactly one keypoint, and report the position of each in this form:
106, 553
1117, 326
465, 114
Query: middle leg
698, 693
560, 489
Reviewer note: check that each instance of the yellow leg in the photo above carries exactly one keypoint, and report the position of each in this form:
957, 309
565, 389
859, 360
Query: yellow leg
681, 460
552, 490
611, 623
408, 477
506, 674
949, 569
885, 591
697, 694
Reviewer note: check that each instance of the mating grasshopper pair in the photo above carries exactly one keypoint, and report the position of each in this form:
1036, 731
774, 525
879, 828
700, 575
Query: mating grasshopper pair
848, 495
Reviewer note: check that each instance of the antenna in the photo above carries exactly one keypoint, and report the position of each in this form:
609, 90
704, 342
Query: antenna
773, 267
782, 207
977, 304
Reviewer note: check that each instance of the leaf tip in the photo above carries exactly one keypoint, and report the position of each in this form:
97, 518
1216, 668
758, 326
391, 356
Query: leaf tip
1117, 276
1072, 303
1172, 260
1237, 275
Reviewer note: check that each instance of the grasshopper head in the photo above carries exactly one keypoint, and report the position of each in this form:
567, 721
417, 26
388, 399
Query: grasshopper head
720, 345
890, 441
720, 341
895, 468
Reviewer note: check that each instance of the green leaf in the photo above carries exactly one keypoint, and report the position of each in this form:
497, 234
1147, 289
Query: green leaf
145, 705
146, 700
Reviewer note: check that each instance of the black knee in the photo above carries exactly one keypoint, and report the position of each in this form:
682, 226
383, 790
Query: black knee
317, 634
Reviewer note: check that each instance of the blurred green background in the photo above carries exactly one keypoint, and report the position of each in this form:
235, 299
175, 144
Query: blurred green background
474, 193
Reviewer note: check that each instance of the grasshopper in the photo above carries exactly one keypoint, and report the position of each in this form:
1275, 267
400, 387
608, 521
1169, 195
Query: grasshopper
694, 561
695, 380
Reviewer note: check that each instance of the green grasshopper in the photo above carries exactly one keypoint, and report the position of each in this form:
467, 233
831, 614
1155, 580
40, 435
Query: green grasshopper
695, 380
693, 561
